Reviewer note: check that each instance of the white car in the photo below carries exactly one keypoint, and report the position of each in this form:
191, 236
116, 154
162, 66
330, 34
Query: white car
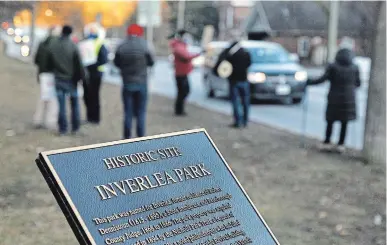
274, 73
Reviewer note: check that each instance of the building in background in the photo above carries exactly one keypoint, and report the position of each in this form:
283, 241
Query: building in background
232, 16
301, 27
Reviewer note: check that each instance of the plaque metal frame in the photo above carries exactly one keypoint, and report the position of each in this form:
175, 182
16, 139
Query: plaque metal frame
70, 209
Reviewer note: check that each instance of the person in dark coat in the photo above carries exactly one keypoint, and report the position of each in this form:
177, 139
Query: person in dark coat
47, 106
239, 85
344, 78
68, 71
133, 57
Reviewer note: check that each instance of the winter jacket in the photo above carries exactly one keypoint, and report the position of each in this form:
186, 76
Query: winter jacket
344, 78
182, 58
65, 59
102, 59
240, 62
42, 56
133, 57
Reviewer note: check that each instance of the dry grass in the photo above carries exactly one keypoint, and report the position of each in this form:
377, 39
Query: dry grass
306, 197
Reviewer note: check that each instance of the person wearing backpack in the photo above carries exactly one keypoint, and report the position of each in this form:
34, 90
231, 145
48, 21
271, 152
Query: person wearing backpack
233, 64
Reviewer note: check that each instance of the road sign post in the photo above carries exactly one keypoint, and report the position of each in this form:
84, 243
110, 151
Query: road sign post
181, 14
149, 16
333, 29
149, 28
208, 35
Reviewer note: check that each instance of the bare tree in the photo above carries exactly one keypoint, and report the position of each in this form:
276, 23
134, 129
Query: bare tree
375, 129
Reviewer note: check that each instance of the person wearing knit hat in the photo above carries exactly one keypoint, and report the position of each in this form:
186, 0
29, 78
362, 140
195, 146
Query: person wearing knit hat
135, 30
133, 57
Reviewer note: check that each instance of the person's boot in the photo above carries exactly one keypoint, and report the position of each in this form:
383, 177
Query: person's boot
340, 148
235, 125
38, 126
325, 146
181, 114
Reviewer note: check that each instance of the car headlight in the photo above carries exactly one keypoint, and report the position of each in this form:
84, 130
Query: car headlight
301, 76
26, 39
17, 39
18, 31
256, 77
25, 50
10, 31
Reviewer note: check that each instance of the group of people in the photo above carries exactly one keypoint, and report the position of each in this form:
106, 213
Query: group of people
58, 57
343, 75
61, 65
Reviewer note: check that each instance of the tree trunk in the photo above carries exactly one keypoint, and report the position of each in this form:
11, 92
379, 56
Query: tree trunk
375, 128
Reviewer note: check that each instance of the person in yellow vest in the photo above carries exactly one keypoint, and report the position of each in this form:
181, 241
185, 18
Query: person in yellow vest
95, 71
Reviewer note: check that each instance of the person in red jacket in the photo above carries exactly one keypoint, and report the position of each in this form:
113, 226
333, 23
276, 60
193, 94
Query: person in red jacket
183, 67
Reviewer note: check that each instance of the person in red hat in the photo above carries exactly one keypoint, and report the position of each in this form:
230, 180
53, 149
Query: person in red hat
135, 30
183, 67
133, 57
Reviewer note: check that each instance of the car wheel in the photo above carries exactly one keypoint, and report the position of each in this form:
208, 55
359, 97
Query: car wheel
297, 100
211, 93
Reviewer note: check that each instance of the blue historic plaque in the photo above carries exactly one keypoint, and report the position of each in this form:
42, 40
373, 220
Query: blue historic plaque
171, 189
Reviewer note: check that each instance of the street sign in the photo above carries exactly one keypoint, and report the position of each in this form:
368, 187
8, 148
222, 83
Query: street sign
149, 13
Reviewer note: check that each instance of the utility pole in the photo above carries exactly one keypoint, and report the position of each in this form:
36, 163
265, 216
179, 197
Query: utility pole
222, 8
98, 18
149, 28
33, 24
180, 14
333, 29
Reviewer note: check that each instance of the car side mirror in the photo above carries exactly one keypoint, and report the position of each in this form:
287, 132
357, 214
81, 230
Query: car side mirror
294, 58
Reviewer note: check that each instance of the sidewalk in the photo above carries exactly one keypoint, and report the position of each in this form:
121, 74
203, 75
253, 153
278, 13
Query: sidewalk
306, 197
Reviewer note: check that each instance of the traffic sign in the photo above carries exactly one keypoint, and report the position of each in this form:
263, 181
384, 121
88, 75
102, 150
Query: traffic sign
149, 13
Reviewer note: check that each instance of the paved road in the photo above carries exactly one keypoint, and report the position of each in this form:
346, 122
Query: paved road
287, 117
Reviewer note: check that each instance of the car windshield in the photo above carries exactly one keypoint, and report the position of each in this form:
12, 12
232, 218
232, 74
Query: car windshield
268, 55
